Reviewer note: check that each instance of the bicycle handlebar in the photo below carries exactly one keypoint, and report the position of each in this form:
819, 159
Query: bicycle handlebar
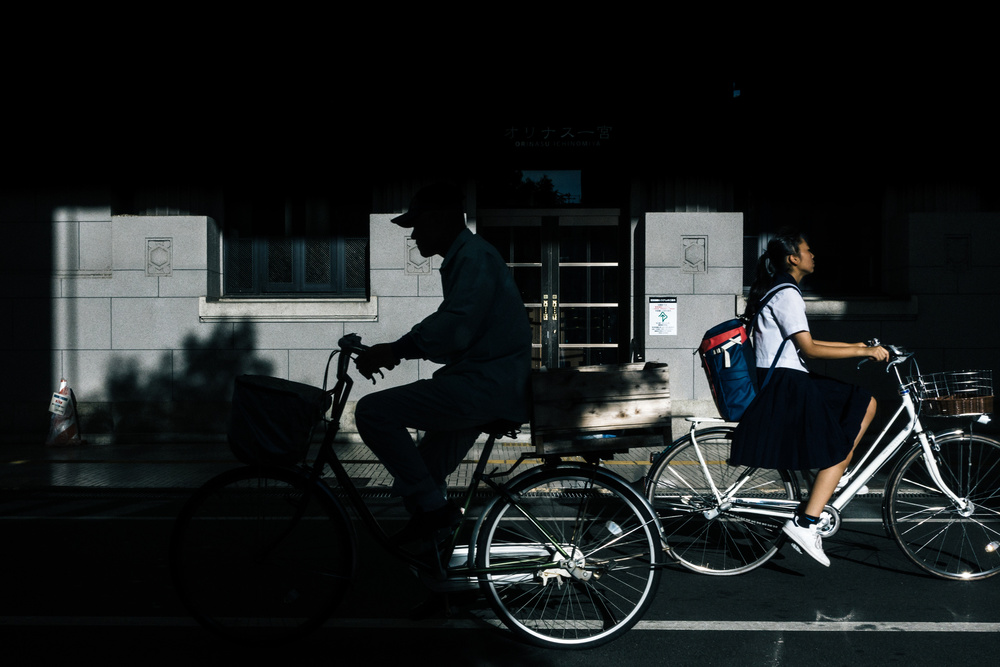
351, 344
897, 354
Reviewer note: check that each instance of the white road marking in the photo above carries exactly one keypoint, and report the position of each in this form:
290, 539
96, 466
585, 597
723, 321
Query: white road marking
453, 624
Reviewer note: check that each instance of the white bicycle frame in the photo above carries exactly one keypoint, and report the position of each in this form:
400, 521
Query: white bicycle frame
855, 479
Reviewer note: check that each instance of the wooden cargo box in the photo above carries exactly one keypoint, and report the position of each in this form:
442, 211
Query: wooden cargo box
600, 408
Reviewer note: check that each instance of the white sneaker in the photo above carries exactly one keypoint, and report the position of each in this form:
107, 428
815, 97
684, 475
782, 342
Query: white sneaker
808, 539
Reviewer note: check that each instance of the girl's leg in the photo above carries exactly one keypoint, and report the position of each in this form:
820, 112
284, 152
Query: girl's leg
826, 479
802, 529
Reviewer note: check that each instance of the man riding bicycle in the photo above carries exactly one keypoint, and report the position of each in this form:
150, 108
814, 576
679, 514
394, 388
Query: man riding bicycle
480, 334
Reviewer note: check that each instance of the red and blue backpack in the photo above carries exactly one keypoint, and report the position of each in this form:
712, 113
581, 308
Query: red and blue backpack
728, 359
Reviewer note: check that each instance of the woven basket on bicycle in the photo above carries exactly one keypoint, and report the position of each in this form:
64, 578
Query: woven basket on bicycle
273, 419
955, 393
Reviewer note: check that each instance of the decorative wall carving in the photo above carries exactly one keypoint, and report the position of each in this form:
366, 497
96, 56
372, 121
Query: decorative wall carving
159, 257
416, 264
695, 254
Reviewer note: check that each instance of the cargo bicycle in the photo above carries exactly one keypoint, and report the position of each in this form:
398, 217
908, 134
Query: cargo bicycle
941, 501
567, 553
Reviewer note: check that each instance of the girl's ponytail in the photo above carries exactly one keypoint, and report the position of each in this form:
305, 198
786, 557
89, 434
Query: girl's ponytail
773, 262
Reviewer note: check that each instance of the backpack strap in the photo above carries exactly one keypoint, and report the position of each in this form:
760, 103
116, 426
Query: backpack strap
753, 327
768, 296
767, 378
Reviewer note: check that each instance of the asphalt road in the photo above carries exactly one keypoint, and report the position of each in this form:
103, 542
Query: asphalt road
85, 578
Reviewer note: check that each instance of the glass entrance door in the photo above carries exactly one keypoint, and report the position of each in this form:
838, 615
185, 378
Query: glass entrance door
566, 265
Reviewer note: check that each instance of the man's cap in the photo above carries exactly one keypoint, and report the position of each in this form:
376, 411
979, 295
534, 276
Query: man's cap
440, 197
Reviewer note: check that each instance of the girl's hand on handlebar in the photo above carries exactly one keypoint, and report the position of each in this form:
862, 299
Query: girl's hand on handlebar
878, 353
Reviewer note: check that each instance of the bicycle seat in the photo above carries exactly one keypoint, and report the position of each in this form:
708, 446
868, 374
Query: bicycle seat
501, 427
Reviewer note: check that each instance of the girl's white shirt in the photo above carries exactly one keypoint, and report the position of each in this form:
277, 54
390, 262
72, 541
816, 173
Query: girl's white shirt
782, 316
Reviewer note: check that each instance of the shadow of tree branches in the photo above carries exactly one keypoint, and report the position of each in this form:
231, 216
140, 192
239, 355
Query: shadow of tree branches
186, 396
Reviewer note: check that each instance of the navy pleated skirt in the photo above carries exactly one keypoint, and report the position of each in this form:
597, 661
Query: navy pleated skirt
800, 421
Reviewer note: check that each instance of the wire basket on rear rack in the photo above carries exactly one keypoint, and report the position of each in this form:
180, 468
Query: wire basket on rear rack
955, 393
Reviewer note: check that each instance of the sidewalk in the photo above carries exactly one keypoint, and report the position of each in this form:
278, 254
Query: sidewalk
178, 468
188, 465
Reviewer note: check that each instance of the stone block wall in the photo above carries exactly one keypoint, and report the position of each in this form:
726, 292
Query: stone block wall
128, 311
696, 258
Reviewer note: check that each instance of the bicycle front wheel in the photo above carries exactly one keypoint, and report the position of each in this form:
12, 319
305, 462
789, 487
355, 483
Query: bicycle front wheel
261, 555
937, 536
573, 555
703, 535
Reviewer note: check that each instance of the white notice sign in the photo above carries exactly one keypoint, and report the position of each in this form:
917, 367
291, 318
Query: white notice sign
663, 316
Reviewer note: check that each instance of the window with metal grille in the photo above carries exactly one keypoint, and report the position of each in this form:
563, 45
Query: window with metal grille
297, 266
302, 248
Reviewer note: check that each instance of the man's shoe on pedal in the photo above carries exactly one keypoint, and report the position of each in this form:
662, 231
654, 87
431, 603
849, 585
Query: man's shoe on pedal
808, 539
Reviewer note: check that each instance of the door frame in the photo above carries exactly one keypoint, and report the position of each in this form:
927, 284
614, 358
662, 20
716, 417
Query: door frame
550, 303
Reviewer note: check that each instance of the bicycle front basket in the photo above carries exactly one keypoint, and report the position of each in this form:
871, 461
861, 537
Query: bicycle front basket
955, 393
273, 419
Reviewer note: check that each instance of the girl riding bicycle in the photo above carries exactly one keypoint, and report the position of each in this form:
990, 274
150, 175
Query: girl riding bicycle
800, 420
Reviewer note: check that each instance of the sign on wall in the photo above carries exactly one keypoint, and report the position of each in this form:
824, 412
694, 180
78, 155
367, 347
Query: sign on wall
558, 135
663, 316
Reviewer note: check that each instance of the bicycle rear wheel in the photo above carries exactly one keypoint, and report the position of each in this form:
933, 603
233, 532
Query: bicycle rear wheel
261, 555
701, 535
933, 533
582, 547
